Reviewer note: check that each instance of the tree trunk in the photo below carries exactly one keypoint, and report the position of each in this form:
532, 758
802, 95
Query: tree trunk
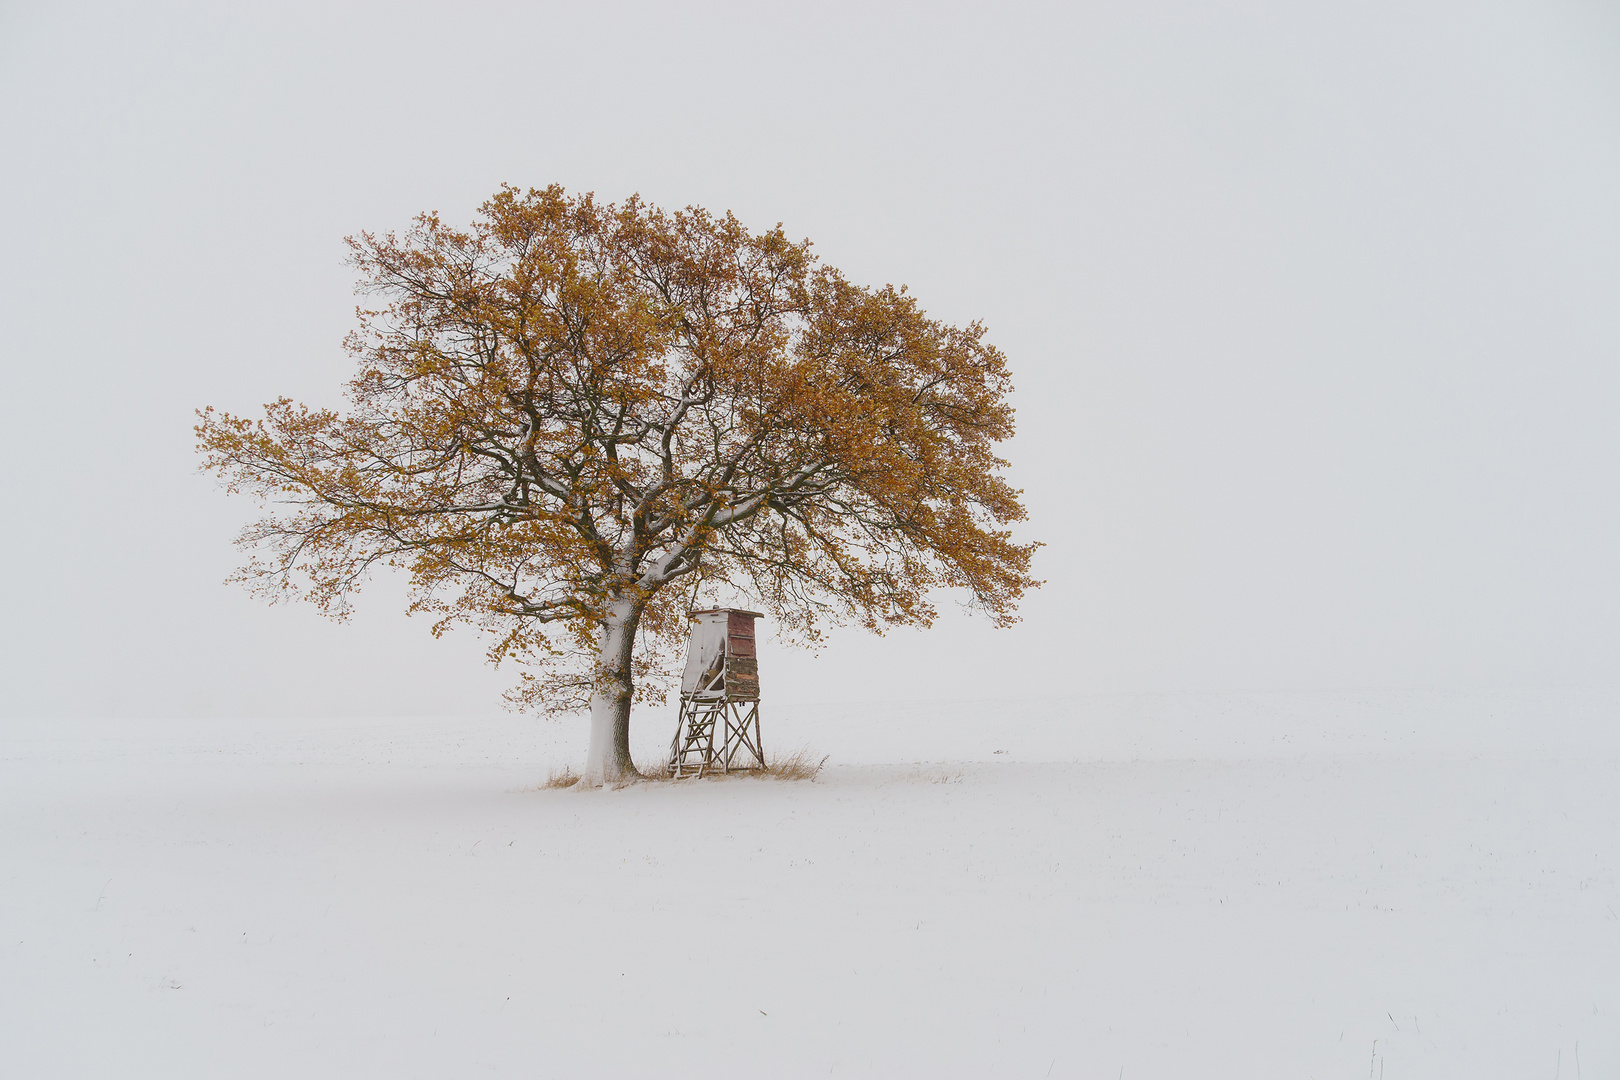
608, 760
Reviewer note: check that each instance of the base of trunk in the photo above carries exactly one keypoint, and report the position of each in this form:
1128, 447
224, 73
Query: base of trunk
608, 760
606, 778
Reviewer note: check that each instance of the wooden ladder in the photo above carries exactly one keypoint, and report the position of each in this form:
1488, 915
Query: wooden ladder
692, 749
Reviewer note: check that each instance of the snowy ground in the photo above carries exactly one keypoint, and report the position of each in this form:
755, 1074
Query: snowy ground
1214, 886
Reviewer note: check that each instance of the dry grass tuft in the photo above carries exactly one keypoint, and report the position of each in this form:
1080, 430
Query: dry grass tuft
561, 778
799, 765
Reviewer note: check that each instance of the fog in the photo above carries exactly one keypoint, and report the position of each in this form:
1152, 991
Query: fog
1313, 310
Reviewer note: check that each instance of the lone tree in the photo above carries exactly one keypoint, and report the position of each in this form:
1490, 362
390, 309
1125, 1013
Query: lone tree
574, 419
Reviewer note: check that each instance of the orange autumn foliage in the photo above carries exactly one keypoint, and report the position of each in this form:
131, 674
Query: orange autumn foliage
571, 407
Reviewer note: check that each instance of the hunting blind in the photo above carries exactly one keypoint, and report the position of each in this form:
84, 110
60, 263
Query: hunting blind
720, 689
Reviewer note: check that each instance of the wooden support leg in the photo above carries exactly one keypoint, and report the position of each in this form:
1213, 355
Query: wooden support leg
675, 743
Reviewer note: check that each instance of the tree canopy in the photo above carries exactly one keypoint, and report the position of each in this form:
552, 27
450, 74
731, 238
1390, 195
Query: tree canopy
574, 420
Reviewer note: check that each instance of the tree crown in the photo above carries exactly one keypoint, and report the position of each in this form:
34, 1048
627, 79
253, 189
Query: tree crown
572, 406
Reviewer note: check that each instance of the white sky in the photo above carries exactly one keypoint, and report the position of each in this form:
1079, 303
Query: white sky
1314, 311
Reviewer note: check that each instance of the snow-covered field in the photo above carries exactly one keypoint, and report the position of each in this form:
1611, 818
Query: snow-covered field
1329, 885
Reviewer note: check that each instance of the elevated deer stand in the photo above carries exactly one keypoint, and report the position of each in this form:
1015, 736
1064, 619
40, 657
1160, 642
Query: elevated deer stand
720, 689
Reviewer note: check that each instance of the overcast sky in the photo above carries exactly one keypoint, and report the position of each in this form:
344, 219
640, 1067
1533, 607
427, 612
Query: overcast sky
1313, 309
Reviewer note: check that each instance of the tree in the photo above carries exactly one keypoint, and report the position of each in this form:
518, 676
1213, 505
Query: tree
575, 419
